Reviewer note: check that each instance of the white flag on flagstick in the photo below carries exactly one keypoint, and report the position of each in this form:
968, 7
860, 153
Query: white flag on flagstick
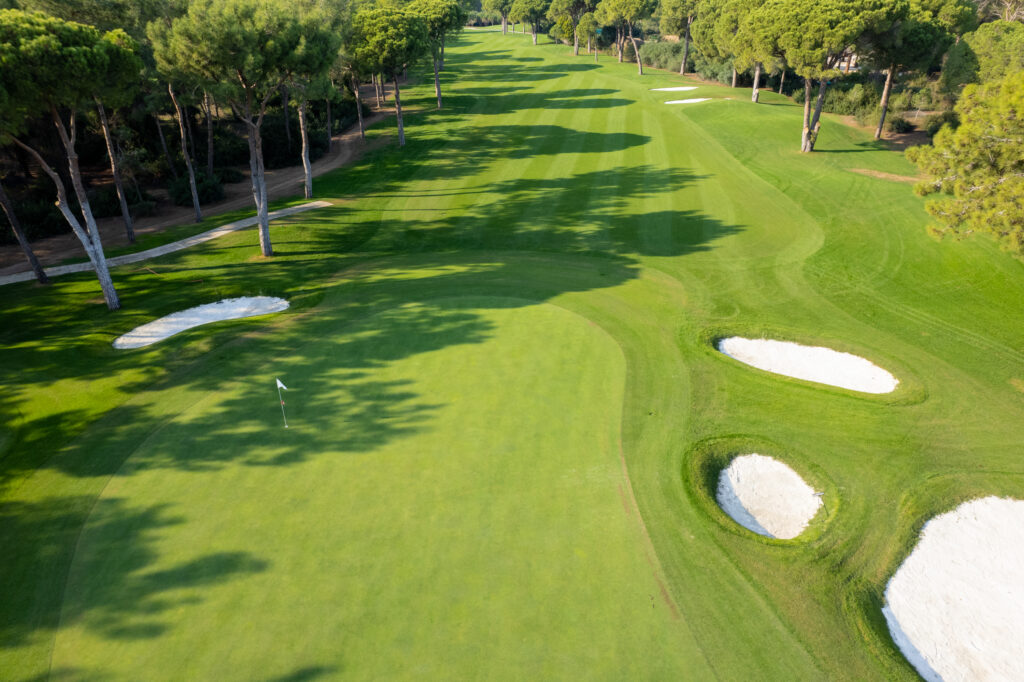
280, 385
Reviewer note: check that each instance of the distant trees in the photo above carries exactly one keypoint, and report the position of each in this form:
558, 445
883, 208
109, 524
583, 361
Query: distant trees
573, 10
530, 12
443, 18
387, 39
587, 27
502, 7
980, 165
55, 68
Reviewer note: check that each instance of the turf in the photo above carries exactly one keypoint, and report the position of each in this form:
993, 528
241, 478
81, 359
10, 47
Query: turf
506, 414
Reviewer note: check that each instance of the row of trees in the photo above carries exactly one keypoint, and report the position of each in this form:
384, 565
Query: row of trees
242, 53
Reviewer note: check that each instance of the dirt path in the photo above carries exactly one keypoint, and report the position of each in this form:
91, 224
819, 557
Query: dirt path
283, 182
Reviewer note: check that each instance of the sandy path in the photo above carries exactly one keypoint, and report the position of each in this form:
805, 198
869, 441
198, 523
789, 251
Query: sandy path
281, 182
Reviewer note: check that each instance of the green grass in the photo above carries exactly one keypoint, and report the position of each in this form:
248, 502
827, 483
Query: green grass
506, 415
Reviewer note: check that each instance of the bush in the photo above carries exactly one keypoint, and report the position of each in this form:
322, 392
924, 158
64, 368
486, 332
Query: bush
712, 69
104, 202
662, 55
229, 174
898, 124
209, 189
934, 123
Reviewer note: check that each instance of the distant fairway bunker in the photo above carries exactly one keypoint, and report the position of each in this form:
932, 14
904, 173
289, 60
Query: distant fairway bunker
681, 88
955, 607
810, 363
226, 309
766, 496
688, 101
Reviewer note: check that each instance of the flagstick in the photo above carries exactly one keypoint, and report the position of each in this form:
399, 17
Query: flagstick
282, 406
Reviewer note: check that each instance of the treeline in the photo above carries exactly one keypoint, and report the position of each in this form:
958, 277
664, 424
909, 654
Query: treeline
79, 71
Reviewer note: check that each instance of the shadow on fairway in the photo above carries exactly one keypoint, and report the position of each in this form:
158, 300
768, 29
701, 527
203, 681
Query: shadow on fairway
129, 602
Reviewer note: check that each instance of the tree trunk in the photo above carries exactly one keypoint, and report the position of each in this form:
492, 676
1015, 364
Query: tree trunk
287, 122
504, 23
437, 84
442, 54
816, 120
90, 236
805, 135
209, 133
618, 41
377, 88
163, 145
258, 173
782, 80
359, 106
686, 45
588, 44
330, 128
118, 185
398, 114
734, 74
533, 30
191, 135
757, 83
885, 100
595, 53
636, 50
184, 152
575, 42
304, 133
5, 202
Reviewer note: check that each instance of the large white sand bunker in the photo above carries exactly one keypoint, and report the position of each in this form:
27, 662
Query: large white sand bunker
681, 88
764, 495
811, 363
688, 101
227, 309
955, 607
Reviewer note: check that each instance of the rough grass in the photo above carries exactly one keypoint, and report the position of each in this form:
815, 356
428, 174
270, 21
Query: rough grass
483, 329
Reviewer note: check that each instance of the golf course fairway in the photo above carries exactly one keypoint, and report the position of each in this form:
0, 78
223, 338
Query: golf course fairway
506, 412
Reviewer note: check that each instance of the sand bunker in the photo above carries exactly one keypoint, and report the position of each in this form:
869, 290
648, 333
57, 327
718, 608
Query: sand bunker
811, 363
688, 101
228, 309
955, 607
681, 88
764, 495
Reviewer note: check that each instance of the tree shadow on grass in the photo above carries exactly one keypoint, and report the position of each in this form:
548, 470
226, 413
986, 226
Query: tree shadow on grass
130, 600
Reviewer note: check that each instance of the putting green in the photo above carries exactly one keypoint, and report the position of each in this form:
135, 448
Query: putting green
495, 509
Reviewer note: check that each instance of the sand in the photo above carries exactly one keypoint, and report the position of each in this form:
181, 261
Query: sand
227, 309
764, 495
810, 363
688, 101
682, 88
955, 607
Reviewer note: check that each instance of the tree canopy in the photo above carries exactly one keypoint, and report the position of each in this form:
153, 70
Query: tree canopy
988, 54
980, 165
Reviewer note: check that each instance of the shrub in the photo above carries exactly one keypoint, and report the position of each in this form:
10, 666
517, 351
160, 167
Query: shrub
662, 55
209, 189
712, 69
898, 124
934, 123
229, 174
104, 202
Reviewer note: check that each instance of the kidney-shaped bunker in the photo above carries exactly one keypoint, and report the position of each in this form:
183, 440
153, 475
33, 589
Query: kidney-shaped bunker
810, 363
226, 309
764, 495
955, 607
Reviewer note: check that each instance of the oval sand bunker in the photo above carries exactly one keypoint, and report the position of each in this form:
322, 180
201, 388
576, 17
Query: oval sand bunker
688, 101
227, 309
682, 88
955, 607
764, 495
811, 363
